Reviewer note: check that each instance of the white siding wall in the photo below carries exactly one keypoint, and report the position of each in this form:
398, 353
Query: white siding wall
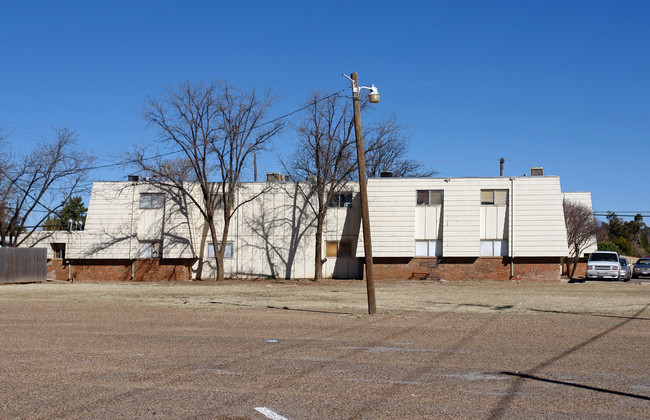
110, 222
391, 203
539, 229
462, 218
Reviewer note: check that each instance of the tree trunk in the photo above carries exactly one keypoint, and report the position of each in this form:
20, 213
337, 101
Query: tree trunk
218, 253
573, 269
220, 272
318, 255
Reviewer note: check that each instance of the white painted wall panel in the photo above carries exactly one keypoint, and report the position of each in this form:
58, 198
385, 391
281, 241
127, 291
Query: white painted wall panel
391, 203
538, 218
494, 222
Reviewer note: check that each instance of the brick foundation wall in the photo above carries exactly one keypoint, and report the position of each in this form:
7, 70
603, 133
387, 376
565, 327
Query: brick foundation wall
581, 269
490, 268
150, 269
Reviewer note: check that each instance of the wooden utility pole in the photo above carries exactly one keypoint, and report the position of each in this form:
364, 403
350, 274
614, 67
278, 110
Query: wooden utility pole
361, 158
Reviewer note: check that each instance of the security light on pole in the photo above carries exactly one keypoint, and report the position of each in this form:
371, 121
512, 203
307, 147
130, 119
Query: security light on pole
373, 95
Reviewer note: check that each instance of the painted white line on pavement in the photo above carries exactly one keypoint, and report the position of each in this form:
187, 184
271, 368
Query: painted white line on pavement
270, 414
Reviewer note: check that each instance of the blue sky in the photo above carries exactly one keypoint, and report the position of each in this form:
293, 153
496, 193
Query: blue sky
560, 84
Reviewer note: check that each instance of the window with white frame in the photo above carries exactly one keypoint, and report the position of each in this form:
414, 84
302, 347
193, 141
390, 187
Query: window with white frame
428, 248
227, 253
343, 199
150, 249
428, 197
494, 197
152, 200
494, 248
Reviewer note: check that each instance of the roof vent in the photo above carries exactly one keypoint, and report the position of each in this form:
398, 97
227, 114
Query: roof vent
537, 171
385, 174
274, 177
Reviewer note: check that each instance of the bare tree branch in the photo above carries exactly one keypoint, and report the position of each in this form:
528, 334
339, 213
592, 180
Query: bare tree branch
33, 187
217, 128
326, 154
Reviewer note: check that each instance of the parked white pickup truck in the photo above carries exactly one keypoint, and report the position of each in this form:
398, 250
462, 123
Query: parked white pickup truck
603, 265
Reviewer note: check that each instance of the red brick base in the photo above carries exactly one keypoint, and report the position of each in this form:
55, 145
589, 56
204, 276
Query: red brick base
490, 268
151, 269
581, 269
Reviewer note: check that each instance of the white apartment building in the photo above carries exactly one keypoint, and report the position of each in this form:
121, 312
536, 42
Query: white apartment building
453, 228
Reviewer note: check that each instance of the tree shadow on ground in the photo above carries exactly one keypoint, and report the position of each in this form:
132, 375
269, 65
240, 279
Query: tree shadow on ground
573, 384
503, 404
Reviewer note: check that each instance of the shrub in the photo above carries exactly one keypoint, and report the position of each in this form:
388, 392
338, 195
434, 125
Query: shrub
609, 246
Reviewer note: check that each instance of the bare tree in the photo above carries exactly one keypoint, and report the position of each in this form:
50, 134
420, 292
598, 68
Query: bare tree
216, 128
581, 227
34, 186
326, 155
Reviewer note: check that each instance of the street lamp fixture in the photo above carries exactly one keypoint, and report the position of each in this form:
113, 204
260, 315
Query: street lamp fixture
373, 97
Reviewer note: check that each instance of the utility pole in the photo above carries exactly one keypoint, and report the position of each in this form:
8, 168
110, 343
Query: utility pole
361, 158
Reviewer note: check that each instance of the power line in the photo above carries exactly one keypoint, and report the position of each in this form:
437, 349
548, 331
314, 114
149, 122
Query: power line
173, 152
621, 212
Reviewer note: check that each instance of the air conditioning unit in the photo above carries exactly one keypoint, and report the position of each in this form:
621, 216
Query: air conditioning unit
312, 178
273, 177
537, 171
385, 174
133, 178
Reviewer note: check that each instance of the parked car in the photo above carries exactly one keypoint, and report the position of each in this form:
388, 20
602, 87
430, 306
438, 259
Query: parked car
641, 267
625, 273
603, 265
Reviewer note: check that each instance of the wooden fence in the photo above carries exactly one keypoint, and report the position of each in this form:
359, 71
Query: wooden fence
23, 265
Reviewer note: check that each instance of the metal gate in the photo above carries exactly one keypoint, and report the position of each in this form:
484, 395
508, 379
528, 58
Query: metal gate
23, 265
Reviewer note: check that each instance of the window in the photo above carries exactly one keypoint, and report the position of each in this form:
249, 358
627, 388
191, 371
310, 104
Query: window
428, 197
494, 248
428, 248
150, 250
152, 200
341, 200
58, 250
338, 249
494, 197
227, 253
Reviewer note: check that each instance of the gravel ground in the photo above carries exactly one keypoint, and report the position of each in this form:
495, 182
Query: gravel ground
238, 350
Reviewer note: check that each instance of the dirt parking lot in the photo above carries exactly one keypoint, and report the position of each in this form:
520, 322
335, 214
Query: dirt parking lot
300, 350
